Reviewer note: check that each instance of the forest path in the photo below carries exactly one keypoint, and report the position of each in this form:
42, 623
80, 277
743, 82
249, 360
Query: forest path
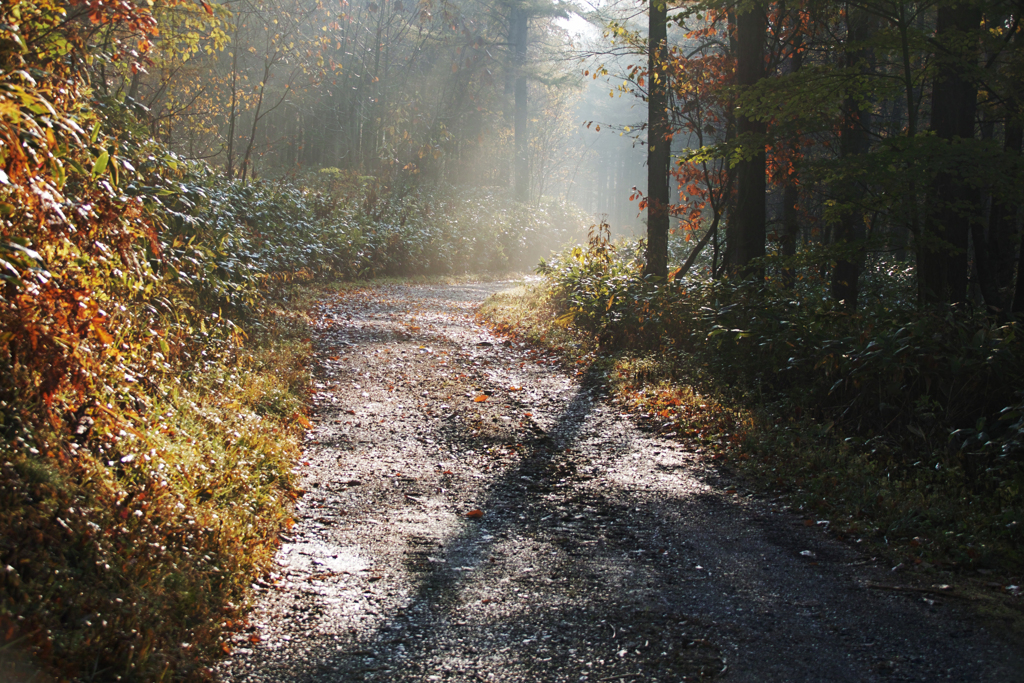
603, 552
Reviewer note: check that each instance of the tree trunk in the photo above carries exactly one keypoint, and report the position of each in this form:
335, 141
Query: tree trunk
659, 153
791, 191
943, 251
520, 28
746, 235
995, 250
853, 142
229, 169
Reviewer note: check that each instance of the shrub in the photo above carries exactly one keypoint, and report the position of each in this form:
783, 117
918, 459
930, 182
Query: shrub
909, 393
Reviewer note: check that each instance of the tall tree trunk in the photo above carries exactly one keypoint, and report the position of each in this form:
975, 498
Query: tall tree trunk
746, 234
853, 142
791, 190
942, 253
255, 122
659, 153
520, 30
229, 169
995, 249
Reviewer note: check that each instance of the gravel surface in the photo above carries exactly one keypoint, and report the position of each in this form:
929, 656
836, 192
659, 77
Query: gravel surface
474, 512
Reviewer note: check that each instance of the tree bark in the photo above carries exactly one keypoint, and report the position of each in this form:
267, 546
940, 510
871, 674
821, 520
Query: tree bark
791, 191
229, 169
853, 142
746, 235
943, 253
520, 27
695, 252
995, 249
659, 153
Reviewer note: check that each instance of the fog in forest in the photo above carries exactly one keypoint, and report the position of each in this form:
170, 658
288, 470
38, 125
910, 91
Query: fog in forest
418, 96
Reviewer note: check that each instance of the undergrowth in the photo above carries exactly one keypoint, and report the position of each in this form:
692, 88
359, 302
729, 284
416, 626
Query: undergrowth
899, 428
135, 525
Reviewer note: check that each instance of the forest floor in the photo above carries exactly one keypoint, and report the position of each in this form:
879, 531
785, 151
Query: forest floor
473, 511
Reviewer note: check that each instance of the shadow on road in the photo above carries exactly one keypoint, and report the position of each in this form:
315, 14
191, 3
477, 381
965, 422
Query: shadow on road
642, 574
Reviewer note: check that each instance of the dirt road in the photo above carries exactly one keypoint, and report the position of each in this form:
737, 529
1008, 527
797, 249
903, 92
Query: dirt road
475, 513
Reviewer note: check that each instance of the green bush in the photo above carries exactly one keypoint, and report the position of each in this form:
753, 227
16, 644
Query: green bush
226, 239
927, 397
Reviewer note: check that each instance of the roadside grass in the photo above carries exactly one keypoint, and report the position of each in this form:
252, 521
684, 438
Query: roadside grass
530, 312
926, 520
132, 539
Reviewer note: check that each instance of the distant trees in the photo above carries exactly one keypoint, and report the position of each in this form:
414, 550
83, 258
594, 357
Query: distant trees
519, 23
853, 127
407, 91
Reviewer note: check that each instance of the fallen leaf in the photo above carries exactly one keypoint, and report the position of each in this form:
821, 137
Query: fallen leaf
480, 399
254, 638
303, 421
475, 514
225, 648
515, 388
104, 336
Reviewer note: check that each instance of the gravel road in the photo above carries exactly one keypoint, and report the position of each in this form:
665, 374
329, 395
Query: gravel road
475, 512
